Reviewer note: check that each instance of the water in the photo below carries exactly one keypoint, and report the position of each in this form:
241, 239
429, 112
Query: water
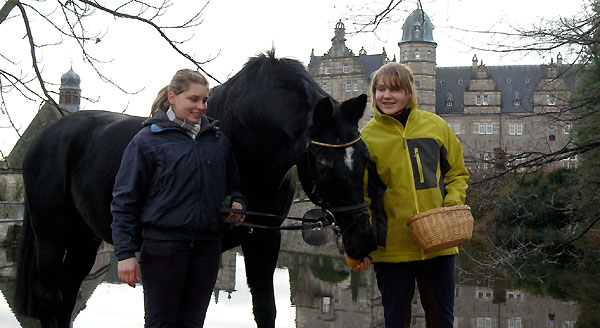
314, 288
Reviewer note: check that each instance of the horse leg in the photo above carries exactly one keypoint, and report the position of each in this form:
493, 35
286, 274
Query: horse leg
49, 255
260, 258
79, 259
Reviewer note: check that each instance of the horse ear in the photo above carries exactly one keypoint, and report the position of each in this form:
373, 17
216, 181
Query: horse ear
353, 109
323, 113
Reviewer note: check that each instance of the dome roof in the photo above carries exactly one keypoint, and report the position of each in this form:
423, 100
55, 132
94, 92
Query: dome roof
417, 27
70, 80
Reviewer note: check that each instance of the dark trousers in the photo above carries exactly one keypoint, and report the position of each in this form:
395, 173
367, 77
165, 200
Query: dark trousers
435, 279
178, 279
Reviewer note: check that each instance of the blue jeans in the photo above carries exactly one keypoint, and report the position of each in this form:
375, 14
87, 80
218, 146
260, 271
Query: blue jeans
435, 279
178, 279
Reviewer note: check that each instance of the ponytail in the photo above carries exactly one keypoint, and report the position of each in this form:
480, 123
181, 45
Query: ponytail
180, 83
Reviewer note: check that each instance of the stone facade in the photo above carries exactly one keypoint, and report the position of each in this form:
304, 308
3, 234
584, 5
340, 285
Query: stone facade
501, 114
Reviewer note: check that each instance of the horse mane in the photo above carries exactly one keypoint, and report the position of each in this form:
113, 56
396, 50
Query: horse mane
291, 72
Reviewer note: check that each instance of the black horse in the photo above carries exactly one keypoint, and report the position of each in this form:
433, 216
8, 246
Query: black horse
275, 115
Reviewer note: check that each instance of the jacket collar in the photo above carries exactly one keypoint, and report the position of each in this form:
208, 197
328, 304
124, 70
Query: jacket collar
379, 116
160, 122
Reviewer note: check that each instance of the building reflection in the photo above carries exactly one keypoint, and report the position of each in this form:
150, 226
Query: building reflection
325, 293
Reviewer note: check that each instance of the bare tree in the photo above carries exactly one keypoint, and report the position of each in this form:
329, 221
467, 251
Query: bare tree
80, 24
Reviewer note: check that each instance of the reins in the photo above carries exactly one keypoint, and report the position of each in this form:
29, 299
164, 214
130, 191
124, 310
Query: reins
316, 224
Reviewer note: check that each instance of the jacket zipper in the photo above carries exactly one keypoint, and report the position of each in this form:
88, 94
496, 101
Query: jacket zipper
418, 158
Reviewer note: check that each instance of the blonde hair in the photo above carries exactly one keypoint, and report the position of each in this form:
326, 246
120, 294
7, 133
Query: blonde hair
179, 83
395, 76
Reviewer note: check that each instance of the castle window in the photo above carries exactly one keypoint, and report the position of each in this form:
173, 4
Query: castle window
348, 86
405, 55
527, 80
355, 85
455, 127
326, 304
552, 134
515, 128
325, 86
417, 32
442, 82
345, 68
417, 83
485, 100
514, 322
478, 100
449, 100
570, 162
417, 54
517, 99
460, 81
509, 80
567, 128
486, 128
327, 69
484, 322
551, 100
429, 54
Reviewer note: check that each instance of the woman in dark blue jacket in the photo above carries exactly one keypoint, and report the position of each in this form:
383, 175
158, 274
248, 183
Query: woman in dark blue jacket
174, 176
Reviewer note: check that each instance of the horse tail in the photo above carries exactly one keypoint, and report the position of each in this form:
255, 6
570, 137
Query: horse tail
27, 272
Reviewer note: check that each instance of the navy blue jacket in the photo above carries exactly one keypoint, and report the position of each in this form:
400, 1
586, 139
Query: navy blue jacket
171, 186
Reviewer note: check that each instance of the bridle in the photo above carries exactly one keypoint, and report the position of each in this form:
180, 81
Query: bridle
331, 211
328, 214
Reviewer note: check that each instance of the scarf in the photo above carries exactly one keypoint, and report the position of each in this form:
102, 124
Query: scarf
191, 128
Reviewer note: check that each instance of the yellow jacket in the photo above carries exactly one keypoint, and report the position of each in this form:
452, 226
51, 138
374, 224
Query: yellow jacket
417, 168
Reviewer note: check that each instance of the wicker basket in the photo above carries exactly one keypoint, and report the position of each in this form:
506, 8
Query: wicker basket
441, 228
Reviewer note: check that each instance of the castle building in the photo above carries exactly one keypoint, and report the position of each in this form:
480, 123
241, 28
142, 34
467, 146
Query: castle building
69, 100
70, 93
501, 114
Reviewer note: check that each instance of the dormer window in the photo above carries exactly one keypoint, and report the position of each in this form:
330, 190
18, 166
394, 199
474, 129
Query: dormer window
449, 100
517, 99
417, 32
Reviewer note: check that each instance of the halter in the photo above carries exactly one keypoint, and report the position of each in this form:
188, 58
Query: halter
330, 212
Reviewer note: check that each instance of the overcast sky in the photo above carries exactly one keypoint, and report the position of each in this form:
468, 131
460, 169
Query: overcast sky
236, 30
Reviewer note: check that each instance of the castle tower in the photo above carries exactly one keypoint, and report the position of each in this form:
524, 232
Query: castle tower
70, 93
417, 51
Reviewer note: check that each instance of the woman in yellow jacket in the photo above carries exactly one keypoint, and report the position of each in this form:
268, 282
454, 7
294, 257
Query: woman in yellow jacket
417, 164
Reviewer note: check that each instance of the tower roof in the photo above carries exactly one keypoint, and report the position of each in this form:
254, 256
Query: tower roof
70, 80
417, 27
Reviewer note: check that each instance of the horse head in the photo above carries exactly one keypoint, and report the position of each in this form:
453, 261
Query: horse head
331, 170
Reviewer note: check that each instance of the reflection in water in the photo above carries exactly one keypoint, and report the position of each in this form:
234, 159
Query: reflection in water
314, 288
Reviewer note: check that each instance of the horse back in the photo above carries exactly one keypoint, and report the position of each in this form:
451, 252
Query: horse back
69, 169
